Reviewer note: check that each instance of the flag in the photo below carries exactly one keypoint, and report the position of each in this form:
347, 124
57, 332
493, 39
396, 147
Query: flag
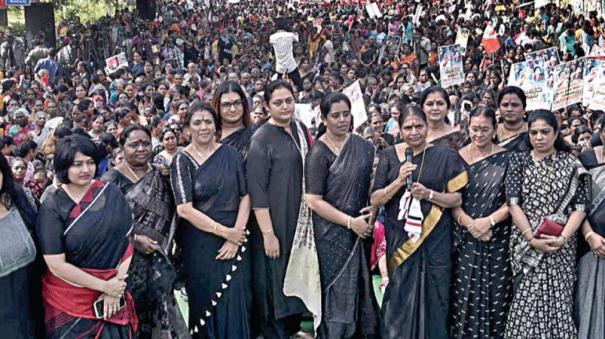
490, 41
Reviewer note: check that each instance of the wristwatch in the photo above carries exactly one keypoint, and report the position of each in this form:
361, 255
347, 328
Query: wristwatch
492, 221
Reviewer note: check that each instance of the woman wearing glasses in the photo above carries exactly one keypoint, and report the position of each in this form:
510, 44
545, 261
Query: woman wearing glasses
234, 123
482, 278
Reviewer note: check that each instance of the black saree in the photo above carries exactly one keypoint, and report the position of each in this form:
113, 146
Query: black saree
518, 143
151, 276
217, 291
482, 284
454, 140
349, 307
416, 300
240, 140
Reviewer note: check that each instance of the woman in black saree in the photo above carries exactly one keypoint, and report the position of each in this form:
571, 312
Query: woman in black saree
436, 104
590, 296
213, 206
512, 132
151, 275
418, 228
337, 172
85, 229
234, 124
482, 283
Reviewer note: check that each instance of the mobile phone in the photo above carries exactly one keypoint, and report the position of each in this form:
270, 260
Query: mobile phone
100, 304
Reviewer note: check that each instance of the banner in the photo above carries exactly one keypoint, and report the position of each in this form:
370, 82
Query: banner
358, 107
592, 67
568, 84
116, 62
549, 56
462, 38
597, 101
451, 65
531, 77
490, 41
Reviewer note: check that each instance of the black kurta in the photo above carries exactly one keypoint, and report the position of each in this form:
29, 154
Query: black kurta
275, 171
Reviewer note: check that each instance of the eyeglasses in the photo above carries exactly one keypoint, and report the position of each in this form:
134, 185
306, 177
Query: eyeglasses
234, 104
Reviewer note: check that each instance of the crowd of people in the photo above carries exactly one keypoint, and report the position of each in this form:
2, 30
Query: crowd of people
190, 170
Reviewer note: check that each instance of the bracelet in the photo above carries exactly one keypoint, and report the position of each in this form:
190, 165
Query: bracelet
459, 218
588, 235
266, 232
564, 237
492, 221
386, 196
524, 232
349, 222
430, 195
214, 227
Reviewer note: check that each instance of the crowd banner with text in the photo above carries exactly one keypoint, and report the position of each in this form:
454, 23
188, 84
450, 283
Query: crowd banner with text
451, 65
462, 38
568, 84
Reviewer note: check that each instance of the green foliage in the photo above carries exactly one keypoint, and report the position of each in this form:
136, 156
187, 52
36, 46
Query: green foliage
87, 10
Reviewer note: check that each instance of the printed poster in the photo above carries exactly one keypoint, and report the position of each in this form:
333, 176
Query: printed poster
462, 38
592, 68
116, 62
568, 84
532, 78
358, 107
451, 65
597, 102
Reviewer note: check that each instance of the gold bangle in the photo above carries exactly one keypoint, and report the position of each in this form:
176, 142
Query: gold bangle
349, 222
524, 232
214, 227
266, 232
588, 235
386, 196
459, 218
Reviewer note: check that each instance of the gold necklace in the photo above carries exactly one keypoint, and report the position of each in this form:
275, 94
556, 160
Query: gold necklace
333, 144
491, 151
134, 174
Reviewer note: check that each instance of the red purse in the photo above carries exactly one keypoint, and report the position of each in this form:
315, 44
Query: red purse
549, 227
